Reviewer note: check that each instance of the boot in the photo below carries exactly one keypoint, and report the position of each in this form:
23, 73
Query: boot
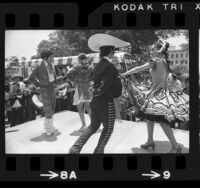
48, 126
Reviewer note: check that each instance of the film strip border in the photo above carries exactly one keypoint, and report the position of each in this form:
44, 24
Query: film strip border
107, 20
59, 21
42, 16
87, 167
107, 167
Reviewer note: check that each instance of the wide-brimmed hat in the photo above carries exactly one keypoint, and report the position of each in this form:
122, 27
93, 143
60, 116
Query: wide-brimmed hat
96, 41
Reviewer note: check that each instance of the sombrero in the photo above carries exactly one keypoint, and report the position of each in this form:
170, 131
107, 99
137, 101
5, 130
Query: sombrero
98, 40
37, 101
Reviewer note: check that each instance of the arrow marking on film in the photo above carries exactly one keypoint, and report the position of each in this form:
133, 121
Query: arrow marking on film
152, 175
51, 175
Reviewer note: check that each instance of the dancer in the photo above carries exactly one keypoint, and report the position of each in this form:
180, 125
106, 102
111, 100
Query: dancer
162, 103
106, 87
46, 76
80, 74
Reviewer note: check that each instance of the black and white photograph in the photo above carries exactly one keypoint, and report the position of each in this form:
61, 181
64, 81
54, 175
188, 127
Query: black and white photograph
97, 91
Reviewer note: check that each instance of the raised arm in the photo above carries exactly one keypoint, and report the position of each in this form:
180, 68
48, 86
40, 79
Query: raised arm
138, 69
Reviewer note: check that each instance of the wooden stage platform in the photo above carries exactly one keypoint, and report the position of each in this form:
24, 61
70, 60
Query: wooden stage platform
29, 138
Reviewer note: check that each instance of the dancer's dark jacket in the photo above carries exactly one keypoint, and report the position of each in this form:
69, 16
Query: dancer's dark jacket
107, 84
40, 73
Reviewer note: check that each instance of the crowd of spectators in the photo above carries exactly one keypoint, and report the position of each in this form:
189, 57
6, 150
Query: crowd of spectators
19, 106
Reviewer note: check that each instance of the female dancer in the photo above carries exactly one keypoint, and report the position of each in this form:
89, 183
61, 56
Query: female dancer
81, 74
162, 103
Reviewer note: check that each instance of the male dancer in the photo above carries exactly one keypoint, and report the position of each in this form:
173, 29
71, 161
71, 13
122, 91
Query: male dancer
106, 87
44, 77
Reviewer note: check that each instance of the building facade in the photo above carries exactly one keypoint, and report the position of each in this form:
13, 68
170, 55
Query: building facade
178, 57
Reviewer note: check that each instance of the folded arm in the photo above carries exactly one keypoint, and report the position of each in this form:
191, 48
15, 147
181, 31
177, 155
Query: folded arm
32, 78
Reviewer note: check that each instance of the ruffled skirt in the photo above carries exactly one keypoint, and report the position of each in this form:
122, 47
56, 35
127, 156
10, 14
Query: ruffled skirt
161, 103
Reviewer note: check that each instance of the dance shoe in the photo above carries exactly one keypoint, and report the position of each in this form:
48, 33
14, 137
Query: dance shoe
176, 150
147, 145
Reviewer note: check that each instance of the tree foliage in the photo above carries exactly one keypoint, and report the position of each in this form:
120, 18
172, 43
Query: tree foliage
72, 42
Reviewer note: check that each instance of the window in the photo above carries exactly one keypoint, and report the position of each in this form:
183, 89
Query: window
186, 62
176, 55
181, 55
186, 55
183, 62
172, 56
176, 62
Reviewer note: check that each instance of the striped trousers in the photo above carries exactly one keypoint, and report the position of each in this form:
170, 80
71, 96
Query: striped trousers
49, 99
100, 113
49, 104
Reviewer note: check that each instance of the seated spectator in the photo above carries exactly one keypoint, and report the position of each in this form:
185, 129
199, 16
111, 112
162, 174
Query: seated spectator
58, 103
60, 69
64, 70
8, 107
174, 82
70, 97
26, 82
67, 99
29, 108
186, 88
22, 85
7, 87
64, 98
17, 111
59, 90
185, 125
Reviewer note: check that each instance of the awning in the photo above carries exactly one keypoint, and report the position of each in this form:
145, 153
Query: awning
119, 57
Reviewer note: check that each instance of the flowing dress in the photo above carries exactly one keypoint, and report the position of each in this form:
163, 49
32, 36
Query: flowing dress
162, 102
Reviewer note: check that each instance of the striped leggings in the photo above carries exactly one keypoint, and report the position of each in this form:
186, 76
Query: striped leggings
100, 113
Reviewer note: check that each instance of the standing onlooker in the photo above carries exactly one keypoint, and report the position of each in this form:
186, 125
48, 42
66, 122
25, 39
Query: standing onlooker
8, 107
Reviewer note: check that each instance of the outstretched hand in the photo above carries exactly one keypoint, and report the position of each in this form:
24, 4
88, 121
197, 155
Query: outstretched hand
122, 76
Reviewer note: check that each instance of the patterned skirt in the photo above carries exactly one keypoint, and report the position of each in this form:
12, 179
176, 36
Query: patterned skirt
160, 103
